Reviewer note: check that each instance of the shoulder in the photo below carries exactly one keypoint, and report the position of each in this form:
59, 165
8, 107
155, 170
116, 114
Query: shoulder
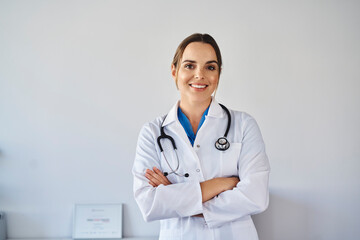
247, 126
152, 127
240, 116
244, 122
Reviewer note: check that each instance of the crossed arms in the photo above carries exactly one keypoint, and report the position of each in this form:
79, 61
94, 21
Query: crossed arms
209, 188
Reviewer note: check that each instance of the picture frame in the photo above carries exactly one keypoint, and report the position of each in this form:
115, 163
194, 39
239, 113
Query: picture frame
97, 221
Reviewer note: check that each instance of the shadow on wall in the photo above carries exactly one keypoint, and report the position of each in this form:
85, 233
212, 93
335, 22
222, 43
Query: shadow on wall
285, 218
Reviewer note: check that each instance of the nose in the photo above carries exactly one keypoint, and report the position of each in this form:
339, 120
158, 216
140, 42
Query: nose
199, 74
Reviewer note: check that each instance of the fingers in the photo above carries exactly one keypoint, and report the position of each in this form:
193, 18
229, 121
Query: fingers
236, 180
151, 176
162, 176
156, 177
152, 184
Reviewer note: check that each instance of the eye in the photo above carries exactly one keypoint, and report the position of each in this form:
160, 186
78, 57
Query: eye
211, 68
189, 66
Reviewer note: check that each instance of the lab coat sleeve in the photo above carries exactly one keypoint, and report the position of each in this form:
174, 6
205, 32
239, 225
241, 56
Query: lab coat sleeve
251, 195
171, 201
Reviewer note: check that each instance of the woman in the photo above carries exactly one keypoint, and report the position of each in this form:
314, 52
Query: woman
201, 179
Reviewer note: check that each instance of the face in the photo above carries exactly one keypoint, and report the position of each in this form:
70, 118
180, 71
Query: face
198, 73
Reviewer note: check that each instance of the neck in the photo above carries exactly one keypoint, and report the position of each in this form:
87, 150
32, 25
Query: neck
194, 111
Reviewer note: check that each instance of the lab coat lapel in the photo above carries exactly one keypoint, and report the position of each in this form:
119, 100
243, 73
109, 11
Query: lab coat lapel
173, 125
215, 109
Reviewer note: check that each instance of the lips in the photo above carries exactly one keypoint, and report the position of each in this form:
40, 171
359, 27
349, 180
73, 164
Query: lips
198, 86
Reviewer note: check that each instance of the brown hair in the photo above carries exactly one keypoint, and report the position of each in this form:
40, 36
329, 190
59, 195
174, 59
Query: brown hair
196, 37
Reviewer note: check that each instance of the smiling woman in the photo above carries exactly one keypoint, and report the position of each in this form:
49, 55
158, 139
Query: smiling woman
199, 185
197, 76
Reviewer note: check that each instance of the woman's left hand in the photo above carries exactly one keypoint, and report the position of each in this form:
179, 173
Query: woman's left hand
156, 177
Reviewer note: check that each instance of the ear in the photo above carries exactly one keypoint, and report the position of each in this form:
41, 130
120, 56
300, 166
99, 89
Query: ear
173, 74
173, 71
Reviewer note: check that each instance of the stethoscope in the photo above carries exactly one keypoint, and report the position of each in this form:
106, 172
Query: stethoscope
221, 144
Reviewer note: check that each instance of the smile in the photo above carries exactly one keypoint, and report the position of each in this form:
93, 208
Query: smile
198, 86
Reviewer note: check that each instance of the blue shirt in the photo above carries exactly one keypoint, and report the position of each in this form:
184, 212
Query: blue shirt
185, 122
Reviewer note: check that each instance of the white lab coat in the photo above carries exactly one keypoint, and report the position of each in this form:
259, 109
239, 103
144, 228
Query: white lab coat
226, 216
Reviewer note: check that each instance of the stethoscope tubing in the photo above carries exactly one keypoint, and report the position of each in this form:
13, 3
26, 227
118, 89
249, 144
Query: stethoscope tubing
229, 119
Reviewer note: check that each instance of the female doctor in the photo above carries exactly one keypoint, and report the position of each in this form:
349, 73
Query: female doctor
201, 169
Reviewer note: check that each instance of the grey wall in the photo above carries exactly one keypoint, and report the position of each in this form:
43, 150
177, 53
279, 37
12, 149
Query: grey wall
79, 78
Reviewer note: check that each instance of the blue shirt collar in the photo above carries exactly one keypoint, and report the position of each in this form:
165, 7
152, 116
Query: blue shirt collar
215, 111
187, 126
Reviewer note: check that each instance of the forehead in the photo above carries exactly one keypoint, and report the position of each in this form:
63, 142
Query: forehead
199, 51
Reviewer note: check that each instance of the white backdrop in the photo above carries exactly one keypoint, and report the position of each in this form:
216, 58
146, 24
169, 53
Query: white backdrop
79, 78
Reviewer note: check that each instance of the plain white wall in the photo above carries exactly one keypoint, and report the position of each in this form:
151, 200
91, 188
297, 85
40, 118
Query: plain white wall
79, 78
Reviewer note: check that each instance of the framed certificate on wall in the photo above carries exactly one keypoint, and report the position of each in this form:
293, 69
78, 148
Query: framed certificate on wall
97, 221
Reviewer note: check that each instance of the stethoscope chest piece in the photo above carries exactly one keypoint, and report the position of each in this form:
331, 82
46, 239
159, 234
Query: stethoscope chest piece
222, 144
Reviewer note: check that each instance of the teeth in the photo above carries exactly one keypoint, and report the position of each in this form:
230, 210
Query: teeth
198, 86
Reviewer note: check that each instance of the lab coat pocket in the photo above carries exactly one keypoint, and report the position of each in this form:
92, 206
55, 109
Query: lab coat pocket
229, 160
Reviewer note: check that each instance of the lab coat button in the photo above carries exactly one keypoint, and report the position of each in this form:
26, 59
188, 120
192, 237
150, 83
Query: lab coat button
198, 170
198, 146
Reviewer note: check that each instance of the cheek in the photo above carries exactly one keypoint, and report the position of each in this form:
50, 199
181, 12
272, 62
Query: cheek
214, 79
183, 77
180, 82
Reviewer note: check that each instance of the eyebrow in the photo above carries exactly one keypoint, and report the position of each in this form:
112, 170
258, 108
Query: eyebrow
192, 61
